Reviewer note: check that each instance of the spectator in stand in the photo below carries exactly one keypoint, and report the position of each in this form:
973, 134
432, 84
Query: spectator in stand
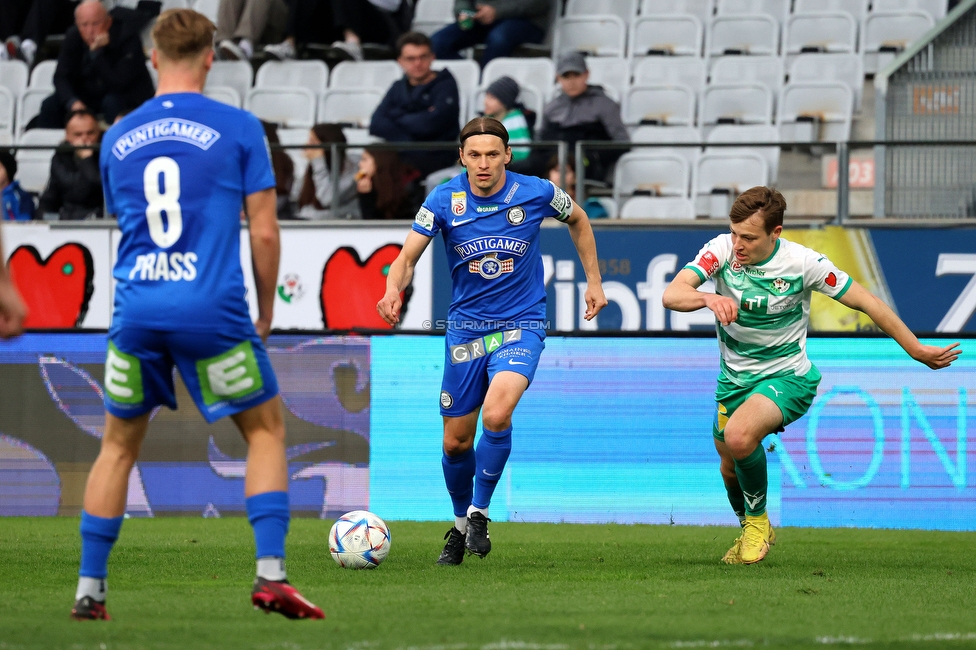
502, 25
315, 199
284, 171
101, 68
25, 24
243, 24
583, 112
309, 21
17, 203
388, 189
74, 188
501, 103
369, 21
423, 106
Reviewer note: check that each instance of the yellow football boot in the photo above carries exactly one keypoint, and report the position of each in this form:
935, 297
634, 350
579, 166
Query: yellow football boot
756, 536
732, 555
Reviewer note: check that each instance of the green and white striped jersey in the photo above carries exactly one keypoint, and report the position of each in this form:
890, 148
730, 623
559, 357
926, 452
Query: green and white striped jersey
769, 336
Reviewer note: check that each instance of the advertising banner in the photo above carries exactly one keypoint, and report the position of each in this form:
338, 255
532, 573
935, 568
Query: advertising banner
928, 276
329, 278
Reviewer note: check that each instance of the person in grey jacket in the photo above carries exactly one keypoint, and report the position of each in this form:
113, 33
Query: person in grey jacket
583, 112
502, 25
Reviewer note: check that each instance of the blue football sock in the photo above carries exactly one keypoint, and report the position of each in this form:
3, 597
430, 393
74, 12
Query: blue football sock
98, 535
458, 472
269, 516
493, 450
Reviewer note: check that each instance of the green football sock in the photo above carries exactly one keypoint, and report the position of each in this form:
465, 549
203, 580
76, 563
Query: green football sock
736, 499
751, 471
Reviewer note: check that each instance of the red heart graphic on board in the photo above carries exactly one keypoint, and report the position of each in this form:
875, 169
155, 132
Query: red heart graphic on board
57, 289
351, 288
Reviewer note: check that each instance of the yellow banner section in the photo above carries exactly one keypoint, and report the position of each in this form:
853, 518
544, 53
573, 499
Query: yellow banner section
852, 251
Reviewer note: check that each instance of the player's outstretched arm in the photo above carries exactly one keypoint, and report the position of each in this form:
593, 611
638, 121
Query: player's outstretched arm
265, 252
582, 234
859, 298
400, 276
682, 294
12, 309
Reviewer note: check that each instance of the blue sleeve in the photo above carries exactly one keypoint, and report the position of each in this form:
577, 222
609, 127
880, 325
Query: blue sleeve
553, 201
258, 174
428, 222
103, 160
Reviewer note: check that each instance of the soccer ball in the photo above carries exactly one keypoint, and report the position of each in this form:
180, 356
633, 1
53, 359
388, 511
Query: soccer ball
359, 540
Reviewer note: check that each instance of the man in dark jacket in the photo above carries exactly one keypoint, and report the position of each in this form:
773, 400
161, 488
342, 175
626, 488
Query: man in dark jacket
423, 106
583, 112
74, 189
502, 25
101, 67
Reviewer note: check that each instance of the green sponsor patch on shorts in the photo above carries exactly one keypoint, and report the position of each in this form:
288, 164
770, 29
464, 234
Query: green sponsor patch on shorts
123, 376
230, 375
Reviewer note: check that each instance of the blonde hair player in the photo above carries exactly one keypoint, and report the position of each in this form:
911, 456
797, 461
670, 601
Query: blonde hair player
175, 173
763, 285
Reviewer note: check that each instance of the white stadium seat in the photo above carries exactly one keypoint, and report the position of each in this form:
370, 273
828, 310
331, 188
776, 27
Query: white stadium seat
34, 165
833, 31
668, 135
747, 133
601, 35
42, 76
652, 174
625, 9
666, 34
701, 9
746, 103
289, 107
883, 35
766, 70
30, 105
311, 74
815, 111
224, 95
610, 72
8, 106
658, 104
720, 177
657, 207
371, 75
235, 74
831, 67
778, 9
14, 76
685, 70
856, 8
743, 34
467, 74
349, 106
208, 8
935, 8
538, 73
431, 15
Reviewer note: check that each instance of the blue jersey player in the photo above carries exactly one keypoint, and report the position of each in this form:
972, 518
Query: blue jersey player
176, 172
490, 221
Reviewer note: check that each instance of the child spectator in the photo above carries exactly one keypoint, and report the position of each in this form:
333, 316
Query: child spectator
501, 103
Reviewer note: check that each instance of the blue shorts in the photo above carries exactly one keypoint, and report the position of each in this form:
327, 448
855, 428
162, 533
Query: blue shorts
225, 372
470, 365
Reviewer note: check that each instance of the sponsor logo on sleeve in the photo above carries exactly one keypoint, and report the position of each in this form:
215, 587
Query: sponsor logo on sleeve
708, 263
459, 203
425, 219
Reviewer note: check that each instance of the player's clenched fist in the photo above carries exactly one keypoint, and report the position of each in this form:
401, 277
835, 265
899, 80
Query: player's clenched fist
726, 311
389, 308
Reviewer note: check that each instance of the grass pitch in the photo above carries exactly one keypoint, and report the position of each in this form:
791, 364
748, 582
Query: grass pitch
185, 583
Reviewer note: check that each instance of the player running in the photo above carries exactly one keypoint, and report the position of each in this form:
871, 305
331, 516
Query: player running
763, 285
490, 221
176, 172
